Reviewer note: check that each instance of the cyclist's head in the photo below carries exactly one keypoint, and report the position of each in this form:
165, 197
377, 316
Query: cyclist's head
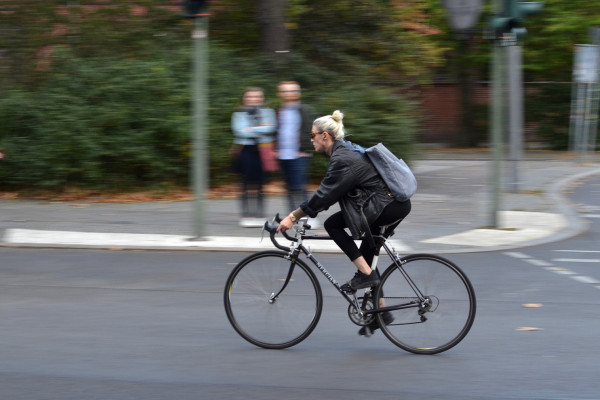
332, 124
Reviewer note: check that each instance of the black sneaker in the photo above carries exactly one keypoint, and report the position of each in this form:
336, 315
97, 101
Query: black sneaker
361, 281
368, 330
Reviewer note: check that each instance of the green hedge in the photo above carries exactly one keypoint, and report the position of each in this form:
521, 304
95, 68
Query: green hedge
96, 124
114, 125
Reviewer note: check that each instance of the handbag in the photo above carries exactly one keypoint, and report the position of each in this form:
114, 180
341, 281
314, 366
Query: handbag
267, 156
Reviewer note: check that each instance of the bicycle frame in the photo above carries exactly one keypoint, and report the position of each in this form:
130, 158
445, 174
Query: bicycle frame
298, 247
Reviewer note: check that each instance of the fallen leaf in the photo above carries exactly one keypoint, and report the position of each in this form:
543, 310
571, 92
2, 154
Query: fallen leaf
533, 305
528, 329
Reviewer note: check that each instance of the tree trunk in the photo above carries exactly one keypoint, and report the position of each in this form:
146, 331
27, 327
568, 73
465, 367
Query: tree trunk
274, 36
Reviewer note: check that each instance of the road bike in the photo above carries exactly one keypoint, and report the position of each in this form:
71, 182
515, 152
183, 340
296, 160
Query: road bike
274, 300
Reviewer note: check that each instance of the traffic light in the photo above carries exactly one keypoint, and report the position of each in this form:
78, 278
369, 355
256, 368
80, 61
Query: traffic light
193, 8
500, 25
511, 19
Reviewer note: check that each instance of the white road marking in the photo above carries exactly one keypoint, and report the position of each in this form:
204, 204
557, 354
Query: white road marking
558, 270
585, 279
578, 251
538, 263
517, 254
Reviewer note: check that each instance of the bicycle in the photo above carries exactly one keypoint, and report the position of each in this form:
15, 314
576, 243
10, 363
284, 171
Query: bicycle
274, 300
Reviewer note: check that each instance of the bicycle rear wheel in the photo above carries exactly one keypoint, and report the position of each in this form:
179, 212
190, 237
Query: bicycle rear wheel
272, 323
439, 322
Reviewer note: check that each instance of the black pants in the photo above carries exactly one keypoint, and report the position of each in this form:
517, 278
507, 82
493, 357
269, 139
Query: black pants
393, 214
252, 174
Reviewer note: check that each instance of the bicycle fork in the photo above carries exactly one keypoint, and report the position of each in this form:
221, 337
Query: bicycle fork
288, 278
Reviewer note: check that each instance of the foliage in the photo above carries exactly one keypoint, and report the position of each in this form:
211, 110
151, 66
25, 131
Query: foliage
96, 95
124, 124
548, 57
389, 40
31, 31
549, 107
94, 124
548, 44
548, 49
384, 40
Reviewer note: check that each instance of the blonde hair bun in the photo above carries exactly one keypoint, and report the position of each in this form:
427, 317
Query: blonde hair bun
337, 116
332, 124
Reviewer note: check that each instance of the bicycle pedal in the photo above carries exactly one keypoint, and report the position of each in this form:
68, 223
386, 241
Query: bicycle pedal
368, 332
346, 288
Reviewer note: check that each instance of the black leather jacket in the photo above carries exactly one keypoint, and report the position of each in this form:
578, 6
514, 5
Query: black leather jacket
349, 170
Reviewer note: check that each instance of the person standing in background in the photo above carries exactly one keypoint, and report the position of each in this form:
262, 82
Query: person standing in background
253, 123
294, 124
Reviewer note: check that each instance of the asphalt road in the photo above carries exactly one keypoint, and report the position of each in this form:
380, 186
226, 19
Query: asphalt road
89, 324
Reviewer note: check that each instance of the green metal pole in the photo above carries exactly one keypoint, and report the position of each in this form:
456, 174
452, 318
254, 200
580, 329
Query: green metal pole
199, 171
514, 67
496, 129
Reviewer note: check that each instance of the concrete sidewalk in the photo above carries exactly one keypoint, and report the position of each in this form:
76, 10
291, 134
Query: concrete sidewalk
451, 211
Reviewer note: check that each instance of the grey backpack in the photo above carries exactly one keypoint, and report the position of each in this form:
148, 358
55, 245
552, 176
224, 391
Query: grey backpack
395, 173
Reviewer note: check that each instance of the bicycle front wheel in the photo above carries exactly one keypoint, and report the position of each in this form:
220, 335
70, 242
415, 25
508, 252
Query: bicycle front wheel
263, 319
432, 301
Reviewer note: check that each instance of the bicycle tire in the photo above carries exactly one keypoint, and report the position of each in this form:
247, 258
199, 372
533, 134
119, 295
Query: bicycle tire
453, 304
272, 325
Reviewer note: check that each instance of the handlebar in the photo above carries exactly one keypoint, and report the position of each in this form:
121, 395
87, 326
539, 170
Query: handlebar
272, 229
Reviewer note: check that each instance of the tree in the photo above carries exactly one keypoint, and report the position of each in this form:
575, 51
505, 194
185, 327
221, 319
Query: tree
99, 118
549, 44
388, 40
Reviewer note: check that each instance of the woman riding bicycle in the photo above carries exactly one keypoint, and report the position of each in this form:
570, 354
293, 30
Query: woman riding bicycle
351, 179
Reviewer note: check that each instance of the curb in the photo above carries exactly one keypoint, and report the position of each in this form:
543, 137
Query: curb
29, 238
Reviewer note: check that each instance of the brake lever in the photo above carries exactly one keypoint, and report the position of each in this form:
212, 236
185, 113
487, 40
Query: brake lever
264, 228
262, 232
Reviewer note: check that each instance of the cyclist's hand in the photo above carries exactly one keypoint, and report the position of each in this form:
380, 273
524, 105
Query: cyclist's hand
285, 224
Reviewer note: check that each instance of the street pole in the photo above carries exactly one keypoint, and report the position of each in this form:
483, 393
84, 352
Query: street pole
496, 129
586, 98
515, 112
199, 171
506, 30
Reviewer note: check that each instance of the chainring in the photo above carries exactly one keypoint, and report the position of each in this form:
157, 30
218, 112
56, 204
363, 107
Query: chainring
355, 316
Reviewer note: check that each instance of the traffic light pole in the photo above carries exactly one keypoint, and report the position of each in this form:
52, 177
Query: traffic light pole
496, 128
199, 171
506, 31
515, 113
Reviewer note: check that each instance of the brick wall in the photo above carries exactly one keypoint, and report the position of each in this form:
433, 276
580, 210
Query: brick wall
441, 111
